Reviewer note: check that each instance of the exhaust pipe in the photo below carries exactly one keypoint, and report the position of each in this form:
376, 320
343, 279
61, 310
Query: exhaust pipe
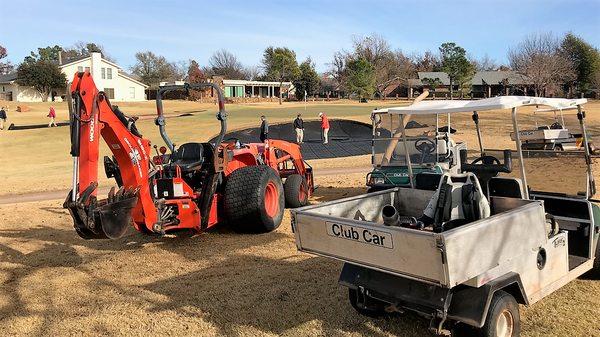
392, 218
390, 215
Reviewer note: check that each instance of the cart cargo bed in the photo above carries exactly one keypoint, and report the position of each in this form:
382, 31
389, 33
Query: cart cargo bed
352, 230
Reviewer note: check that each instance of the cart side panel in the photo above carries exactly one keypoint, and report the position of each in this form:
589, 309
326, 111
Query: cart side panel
399, 251
476, 248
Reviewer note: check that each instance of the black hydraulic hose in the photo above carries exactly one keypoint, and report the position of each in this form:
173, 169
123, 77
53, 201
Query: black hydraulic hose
221, 114
75, 123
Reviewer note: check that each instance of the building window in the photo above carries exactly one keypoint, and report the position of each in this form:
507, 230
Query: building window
103, 71
109, 73
87, 69
110, 93
80, 69
132, 92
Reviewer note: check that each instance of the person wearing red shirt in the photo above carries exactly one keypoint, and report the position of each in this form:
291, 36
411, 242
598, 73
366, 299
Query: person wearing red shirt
52, 116
324, 127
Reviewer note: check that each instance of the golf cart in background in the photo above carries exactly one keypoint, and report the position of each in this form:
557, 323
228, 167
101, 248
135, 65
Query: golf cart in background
555, 136
430, 147
487, 239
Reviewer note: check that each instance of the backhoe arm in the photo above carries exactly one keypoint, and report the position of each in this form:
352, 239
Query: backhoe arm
93, 117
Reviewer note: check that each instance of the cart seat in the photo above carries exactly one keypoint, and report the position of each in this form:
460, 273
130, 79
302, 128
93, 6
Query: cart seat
458, 200
506, 187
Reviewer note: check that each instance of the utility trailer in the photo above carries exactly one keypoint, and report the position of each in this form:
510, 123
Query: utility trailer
467, 279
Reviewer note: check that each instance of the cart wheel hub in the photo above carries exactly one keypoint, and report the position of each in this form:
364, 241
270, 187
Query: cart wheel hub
271, 200
505, 324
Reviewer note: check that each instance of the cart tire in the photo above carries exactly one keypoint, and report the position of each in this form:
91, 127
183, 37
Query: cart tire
253, 199
596, 270
295, 189
559, 148
502, 317
375, 307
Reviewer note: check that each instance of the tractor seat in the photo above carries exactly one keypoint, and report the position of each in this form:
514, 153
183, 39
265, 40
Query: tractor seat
189, 156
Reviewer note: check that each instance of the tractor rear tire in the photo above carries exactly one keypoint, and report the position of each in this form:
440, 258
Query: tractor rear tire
253, 199
296, 191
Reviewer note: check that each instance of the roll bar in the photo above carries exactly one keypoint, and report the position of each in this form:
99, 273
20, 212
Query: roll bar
160, 120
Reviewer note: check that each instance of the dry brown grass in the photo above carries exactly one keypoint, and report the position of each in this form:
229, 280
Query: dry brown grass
216, 283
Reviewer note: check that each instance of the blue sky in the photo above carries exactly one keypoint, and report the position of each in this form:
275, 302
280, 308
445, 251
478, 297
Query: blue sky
181, 30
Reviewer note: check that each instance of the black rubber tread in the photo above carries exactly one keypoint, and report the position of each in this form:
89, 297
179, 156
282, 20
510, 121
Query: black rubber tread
243, 203
501, 301
291, 189
376, 307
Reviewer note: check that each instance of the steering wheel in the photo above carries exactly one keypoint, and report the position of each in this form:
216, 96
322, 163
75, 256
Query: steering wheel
486, 160
426, 146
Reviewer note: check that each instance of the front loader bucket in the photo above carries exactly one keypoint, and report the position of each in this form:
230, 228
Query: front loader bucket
104, 219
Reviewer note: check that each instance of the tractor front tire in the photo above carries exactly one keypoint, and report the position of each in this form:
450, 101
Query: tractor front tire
253, 199
296, 191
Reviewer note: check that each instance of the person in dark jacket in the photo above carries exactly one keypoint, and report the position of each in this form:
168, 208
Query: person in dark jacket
2, 117
299, 127
264, 129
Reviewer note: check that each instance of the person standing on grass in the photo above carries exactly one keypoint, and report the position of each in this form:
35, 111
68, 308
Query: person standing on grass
2, 117
324, 127
299, 127
52, 117
264, 129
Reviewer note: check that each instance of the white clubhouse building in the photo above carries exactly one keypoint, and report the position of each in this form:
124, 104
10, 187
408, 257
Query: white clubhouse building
108, 76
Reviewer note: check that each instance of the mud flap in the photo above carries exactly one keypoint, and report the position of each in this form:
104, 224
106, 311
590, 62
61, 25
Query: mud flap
104, 219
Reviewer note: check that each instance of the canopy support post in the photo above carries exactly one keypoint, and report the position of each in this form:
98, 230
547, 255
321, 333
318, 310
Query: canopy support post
407, 154
591, 185
520, 152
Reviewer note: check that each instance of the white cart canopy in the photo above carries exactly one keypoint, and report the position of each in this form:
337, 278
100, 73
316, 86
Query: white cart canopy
494, 103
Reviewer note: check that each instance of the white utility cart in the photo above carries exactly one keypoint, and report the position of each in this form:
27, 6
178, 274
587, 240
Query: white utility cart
529, 238
555, 136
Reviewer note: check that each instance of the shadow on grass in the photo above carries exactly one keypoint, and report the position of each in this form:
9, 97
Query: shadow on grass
248, 280
276, 296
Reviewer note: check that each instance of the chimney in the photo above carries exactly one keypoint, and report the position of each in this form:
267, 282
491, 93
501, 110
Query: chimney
96, 63
60, 57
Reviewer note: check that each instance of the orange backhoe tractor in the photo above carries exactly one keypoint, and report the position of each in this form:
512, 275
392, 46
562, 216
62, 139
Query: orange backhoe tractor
194, 186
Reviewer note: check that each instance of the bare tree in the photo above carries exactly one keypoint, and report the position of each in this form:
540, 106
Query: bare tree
180, 70
392, 70
252, 73
153, 69
224, 63
5, 66
538, 57
391, 67
427, 61
337, 69
485, 63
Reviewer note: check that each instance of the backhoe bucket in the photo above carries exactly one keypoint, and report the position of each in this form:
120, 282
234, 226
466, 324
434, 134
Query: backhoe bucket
104, 219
